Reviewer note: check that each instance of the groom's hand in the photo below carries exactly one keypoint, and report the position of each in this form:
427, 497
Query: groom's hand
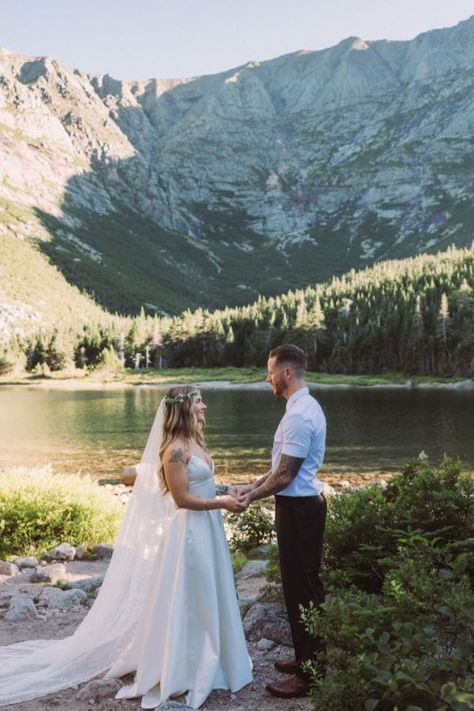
239, 490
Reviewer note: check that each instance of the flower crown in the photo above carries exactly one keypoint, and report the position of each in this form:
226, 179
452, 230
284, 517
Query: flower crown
180, 398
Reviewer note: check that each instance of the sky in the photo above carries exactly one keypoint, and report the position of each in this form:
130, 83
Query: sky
142, 39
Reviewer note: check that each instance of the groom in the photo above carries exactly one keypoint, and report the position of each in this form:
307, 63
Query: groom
300, 507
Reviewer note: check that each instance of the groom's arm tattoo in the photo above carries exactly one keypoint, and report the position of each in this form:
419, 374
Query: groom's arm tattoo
277, 480
262, 480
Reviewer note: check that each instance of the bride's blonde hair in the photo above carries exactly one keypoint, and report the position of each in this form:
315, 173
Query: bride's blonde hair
179, 422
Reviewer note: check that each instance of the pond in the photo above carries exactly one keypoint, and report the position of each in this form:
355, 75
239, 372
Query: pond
101, 431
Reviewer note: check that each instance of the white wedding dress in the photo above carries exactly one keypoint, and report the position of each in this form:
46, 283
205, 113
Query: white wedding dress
167, 610
190, 639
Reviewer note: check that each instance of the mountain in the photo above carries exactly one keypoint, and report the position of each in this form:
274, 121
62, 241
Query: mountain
211, 190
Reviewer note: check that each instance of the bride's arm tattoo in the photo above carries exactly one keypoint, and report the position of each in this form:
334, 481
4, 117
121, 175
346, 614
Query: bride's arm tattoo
177, 456
277, 480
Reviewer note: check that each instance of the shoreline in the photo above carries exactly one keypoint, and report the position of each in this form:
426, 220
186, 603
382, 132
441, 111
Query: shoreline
232, 379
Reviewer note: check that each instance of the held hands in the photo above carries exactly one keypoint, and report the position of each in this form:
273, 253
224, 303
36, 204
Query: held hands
239, 490
240, 493
232, 504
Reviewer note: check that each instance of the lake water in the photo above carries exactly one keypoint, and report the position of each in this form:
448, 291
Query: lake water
101, 431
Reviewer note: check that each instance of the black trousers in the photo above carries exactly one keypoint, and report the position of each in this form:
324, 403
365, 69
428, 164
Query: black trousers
300, 522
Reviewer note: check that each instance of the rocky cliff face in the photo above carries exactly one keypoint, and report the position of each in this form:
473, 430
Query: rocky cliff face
268, 176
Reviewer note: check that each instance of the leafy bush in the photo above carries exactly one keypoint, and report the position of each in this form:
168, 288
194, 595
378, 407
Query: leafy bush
410, 647
364, 526
40, 510
397, 625
251, 528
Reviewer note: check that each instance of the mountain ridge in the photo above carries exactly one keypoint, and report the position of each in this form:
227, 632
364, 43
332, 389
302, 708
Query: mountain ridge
267, 176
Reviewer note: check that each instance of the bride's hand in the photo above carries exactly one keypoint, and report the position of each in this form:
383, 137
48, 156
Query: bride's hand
232, 505
238, 490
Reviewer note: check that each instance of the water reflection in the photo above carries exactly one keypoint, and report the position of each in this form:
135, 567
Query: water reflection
99, 432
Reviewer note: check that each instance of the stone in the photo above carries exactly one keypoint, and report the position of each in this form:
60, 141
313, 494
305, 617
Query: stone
328, 490
21, 608
81, 552
28, 562
49, 573
129, 475
62, 600
262, 549
88, 585
62, 552
267, 620
266, 644
8, 569
172, 705
253, 569
99, 689
103, 550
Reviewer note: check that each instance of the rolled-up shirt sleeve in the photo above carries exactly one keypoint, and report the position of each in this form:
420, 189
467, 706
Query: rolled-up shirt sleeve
296, 436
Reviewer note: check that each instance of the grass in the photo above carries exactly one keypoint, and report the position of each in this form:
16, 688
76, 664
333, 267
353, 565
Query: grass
40, 509
236, 376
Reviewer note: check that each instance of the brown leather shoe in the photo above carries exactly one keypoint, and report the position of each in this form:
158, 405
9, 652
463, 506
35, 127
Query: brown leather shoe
290, 688
289, 666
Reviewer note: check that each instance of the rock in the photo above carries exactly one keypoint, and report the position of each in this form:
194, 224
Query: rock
253, 569
8, 568
29, 562
48, 573
99, 689
172, 705
21, 608
328, 490
24, 575
81, 552
266, 644
260, 550
88, 585
63, 552
344, 484
103, 550
129, 475
63, 600
267, 620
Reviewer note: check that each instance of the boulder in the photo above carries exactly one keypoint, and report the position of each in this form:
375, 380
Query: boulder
267, 620
63, 600
21, 608
48, 573
8, 568
28, 562
103, 550
62, 552
99, 689
81, 552
129, 475
266, 644
253, 569
88, 585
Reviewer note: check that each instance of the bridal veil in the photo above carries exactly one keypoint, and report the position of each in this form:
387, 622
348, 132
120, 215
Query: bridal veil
36, 668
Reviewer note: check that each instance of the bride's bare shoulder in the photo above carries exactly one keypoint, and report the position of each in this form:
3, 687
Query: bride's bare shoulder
176, 452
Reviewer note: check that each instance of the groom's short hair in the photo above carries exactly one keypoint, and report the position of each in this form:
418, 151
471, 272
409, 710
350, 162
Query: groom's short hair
290, 356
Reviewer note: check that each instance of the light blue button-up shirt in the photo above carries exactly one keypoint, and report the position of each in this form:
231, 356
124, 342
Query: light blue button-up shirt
301, 433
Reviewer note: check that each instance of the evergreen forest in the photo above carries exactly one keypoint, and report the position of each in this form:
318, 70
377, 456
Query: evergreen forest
414, 316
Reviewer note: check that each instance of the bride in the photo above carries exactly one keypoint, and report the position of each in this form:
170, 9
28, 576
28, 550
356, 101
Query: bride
167, 610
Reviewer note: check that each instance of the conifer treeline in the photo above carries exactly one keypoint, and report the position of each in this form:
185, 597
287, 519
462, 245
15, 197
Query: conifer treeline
414, 315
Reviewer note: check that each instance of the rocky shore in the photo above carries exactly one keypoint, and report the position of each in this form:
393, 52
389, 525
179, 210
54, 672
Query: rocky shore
48, 598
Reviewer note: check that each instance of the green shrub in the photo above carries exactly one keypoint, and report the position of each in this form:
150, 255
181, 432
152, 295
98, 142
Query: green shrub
251, 528
398, 623
40, 510
410, 647
364, 526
